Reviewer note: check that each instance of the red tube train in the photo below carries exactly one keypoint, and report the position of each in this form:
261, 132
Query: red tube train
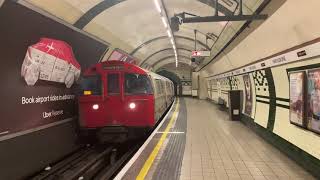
120, 101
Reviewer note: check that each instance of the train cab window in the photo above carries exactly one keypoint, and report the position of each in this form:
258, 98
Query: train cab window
137, 84
90, 85
113, 84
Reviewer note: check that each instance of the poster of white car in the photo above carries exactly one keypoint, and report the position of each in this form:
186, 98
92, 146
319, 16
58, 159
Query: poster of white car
50, 60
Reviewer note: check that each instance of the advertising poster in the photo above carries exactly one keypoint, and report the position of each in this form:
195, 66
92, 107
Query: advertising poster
50, 60
314, 100
41, 84
297, 85
248, 94
40, 67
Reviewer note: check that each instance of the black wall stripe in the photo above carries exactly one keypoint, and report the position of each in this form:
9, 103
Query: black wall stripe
283, 99
230, 83
283, 106
302, 68
95, 11
261, 101
273, 103
277, 98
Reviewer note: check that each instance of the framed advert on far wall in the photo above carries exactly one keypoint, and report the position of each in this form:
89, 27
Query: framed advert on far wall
297, 81
248, 95
313, 108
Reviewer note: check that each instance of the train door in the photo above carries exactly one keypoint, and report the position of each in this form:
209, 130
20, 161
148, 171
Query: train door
113, 99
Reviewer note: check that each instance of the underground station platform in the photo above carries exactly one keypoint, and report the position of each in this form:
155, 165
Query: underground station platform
159, 89
196, 140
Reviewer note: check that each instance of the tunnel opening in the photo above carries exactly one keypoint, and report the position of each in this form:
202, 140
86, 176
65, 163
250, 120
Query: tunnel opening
174, 78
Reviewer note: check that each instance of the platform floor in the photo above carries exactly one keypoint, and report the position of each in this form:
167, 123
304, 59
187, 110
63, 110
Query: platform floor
217, 148
197, 141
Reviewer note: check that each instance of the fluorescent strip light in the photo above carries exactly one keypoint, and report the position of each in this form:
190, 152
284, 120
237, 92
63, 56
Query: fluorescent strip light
169, 33
172, 41
157, 5
164, 22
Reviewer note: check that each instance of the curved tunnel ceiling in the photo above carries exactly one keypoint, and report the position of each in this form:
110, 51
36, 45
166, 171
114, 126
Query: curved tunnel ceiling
106, 4
172, 67
166, 37
138, 24
161, 51
170, 59
157, 57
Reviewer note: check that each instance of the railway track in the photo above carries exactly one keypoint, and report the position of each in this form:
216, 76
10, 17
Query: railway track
92, 162
96, 162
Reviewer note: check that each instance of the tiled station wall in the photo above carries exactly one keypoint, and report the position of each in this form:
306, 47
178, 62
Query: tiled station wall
270, 111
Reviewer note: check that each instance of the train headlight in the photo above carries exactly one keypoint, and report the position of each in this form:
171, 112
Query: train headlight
132, 105
87, 92
95, 106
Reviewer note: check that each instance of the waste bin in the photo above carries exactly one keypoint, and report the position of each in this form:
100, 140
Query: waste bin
234, 105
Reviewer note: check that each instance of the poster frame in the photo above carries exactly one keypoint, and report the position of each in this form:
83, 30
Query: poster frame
308, 121
304, 99
245, 95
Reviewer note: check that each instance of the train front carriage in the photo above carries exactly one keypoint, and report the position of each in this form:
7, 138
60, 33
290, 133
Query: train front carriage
117, 101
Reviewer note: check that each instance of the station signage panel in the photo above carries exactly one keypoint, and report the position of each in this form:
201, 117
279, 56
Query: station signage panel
200, 53
119, 55
308, 51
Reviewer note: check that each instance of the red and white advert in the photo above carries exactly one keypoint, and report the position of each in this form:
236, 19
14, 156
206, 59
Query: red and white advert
50, 60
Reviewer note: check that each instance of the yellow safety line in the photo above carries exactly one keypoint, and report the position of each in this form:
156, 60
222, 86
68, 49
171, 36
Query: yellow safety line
143, 172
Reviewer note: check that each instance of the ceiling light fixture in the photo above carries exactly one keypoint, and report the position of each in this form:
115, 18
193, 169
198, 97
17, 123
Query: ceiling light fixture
157, 6
169, 33
164, 22
164, 18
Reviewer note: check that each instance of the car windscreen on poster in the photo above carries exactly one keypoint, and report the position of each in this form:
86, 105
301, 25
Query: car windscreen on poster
297, 81
248, 95
314, 100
